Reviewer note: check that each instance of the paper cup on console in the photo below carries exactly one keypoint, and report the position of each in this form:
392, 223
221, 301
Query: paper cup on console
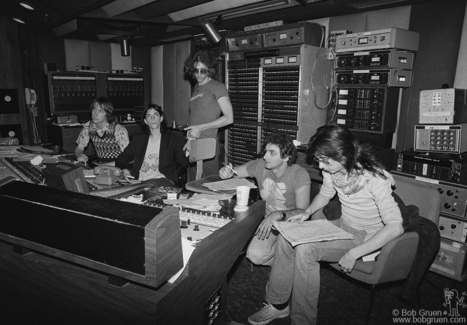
243, 194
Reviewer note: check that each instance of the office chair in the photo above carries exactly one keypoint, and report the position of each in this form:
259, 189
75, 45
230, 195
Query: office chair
201, 149
396, 257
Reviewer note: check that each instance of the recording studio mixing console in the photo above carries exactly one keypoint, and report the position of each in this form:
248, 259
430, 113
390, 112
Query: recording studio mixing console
195, 224
24, 169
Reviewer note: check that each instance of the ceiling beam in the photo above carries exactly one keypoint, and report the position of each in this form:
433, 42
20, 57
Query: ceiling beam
95, 5
164, 7
118, 7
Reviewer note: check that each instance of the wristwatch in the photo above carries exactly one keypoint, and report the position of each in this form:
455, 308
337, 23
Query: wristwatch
284, 216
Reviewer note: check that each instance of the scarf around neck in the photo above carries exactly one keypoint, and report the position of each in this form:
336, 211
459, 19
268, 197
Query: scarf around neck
355, 180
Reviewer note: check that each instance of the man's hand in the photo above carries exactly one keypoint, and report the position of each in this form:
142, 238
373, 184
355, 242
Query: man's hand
193, 131
127, 172
226, 172
82, 158
264, 229
347, 262
299, 218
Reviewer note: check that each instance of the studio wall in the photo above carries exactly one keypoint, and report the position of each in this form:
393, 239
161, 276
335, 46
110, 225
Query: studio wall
176, 89
440, 28
11, 82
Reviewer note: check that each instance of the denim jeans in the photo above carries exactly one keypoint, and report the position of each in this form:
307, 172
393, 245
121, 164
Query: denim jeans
295, 272
261, 251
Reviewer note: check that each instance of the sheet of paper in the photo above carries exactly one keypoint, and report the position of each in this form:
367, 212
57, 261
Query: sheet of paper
229, 184
370, 257
204, 202
37, 149
310, 231
187, 249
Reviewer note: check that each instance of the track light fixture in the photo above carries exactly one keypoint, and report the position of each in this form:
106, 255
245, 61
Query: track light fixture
26, 5
125, 44
210, 31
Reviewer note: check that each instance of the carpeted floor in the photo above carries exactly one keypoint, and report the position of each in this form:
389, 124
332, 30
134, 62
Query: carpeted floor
343, 301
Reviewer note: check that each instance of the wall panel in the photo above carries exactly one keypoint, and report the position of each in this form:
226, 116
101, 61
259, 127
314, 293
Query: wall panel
141, 57
157, 80
99, 56
177, 90
11, 78
435, 61
394, 17
76, 54
120, 62
460, 80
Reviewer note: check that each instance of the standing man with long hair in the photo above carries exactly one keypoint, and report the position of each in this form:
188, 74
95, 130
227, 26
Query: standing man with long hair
210, 106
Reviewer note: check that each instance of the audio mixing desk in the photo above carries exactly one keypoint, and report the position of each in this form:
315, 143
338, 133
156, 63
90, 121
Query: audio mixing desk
74, 264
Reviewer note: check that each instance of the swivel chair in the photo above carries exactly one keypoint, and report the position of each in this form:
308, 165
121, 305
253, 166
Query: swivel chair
201, 149
395, 260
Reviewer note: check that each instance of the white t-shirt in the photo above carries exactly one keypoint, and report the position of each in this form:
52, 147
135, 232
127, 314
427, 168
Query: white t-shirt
150, 167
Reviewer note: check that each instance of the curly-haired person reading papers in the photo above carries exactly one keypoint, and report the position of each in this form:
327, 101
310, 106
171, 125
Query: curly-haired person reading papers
369, 213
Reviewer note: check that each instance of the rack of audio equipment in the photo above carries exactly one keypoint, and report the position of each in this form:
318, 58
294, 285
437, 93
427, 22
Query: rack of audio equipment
72, 92
371, 68
440, 140
276, 80
451, 259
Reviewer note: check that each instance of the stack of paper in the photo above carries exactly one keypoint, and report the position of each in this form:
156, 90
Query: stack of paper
310, 231
229, 184
203, 202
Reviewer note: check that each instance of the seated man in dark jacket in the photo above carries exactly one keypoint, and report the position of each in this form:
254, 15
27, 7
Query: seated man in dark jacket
154, 155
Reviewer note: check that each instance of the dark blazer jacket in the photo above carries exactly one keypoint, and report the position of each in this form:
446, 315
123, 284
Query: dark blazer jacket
171, 155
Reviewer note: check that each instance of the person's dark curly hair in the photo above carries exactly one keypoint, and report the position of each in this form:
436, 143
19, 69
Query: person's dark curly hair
106, 105
338, 143
203, 56
158, 109
285, 144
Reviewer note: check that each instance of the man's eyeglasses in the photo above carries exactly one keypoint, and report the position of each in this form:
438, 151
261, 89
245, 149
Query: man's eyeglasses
324, 160
200, 71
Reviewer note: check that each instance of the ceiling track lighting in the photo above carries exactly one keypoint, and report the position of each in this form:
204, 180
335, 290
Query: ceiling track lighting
125, 43
26, 5
210, 31
18, 20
